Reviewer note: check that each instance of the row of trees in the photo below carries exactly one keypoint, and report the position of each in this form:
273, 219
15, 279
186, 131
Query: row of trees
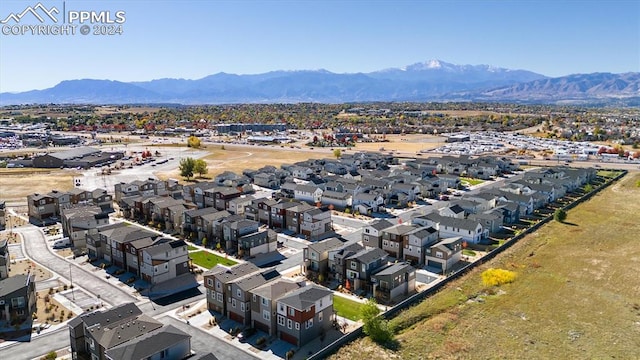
188, 166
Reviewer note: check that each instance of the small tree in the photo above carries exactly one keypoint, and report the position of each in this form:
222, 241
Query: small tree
588, 188
187, 165
204, 241
374, 326
200, 167
560, 215
193, 142
337, 153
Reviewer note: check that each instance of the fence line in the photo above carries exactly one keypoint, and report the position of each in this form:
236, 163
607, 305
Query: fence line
418, 297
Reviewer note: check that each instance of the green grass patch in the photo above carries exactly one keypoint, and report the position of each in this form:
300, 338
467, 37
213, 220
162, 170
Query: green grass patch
208, 260
349, 309
191, 247
471, 181
608, 173
468, 252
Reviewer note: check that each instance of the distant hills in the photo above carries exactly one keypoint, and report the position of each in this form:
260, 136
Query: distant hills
432, 80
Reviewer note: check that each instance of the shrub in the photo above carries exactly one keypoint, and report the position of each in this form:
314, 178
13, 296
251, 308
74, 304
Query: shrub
50, 356
495, 277
560, 215
289, 354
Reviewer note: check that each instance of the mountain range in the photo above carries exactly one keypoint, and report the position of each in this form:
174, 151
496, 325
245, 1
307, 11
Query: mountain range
433, 80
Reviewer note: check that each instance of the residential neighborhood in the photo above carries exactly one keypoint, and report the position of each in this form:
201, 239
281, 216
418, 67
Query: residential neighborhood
365, 225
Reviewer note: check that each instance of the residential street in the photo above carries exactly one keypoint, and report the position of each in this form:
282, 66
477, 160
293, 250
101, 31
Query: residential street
37, 249
38, 346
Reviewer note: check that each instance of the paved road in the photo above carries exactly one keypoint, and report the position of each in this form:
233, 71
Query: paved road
202, 342
38, 346
37, 249
91, 179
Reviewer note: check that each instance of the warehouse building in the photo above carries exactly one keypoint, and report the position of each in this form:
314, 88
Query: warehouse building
84, 157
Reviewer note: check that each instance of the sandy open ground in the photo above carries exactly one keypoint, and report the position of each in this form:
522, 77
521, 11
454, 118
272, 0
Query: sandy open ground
16, 184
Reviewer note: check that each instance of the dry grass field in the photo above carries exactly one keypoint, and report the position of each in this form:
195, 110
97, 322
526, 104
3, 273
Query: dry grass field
17, 183
410, 143
576, 296
238, 158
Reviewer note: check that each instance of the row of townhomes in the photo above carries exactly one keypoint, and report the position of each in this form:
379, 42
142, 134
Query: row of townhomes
262, 299
124, 332
160, 261
225, 211
383, 264
48, 208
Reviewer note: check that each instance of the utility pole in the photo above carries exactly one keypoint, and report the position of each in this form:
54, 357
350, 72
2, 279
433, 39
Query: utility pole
73, 295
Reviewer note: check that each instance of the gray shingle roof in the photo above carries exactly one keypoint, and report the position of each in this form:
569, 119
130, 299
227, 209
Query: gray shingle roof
275, 289
14, 283
325, 245
119, 332
148, 344
381, 224
304, 297
368, 255
395, 268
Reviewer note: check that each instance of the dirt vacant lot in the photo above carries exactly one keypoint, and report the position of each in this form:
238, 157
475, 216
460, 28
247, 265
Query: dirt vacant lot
238, 158
576, 295
16, 184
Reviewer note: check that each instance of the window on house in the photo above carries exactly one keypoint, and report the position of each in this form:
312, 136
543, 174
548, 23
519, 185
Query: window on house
239, 293
242, 307
439, 254
281, 307
254, 298
297, 325
219, 297
289, 323
17, 302
264, 301
354, 265
309, 323
292, 311
366, 231
218, 285
266, 315
233, 302
281, 320
210, 282
320, 316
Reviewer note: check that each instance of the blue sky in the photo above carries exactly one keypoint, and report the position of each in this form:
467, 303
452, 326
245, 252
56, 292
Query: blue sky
193, 39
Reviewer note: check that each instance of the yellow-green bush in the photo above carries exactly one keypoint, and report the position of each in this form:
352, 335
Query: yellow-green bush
493, 277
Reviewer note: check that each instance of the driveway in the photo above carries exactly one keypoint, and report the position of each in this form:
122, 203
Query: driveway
202, 342
37, 249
